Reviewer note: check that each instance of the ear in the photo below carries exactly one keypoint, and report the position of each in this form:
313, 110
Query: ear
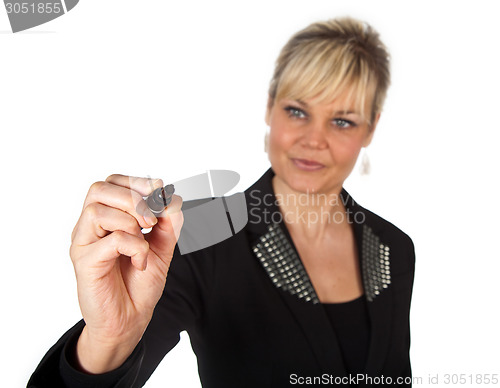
269, 108
371, 130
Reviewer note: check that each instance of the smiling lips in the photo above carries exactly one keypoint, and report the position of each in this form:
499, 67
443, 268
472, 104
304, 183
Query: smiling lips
307, 165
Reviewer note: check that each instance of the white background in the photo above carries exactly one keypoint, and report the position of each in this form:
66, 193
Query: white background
171, 89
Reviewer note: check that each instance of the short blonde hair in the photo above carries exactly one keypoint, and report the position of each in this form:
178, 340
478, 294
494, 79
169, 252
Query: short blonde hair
327, 59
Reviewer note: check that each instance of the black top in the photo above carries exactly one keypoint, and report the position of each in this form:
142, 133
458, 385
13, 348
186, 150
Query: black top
351, 325
251, 312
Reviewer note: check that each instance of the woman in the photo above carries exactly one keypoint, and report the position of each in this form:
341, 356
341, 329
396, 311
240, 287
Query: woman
314, 289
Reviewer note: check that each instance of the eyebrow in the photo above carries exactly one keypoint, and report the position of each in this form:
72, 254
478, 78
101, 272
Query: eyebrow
300, 102
345, 112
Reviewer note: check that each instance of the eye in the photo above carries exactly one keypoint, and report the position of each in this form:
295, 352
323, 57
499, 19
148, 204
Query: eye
294, 112
343, 123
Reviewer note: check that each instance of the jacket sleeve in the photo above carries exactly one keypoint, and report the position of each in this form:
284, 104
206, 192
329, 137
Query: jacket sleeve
178, 309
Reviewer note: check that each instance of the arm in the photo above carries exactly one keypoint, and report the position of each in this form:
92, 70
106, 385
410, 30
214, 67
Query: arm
120, 275
178, 309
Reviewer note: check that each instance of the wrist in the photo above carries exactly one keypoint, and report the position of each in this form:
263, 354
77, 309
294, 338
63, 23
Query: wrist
94, 356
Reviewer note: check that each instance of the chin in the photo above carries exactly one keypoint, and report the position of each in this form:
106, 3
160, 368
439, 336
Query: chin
314, 184
302, 184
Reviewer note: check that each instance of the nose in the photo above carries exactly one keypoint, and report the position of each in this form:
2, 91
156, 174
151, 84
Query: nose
314, 136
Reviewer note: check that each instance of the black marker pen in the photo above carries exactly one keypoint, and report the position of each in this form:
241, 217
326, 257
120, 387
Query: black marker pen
159, 199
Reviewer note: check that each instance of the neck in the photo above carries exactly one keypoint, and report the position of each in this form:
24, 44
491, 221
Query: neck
312, 214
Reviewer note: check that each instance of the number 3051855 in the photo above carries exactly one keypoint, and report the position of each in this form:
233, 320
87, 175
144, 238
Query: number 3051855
33, 8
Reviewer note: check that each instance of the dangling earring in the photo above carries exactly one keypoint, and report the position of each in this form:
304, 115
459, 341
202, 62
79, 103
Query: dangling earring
365, 167
266, 142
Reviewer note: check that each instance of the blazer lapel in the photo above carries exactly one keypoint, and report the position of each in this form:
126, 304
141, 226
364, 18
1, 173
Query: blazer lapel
374, 258
274, 249
277, 254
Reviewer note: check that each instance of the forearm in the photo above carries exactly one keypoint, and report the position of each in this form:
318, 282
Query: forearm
57, 367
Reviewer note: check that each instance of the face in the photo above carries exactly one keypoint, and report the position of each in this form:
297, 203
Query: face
313, 146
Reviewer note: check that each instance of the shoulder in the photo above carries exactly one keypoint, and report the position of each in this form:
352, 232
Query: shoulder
387, 229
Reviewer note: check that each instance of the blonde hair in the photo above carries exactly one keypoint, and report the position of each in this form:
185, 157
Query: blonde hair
327, 59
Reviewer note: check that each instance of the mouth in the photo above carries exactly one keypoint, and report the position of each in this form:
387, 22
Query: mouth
307, 165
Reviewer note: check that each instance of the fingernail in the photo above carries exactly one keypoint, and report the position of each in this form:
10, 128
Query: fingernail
157, 183
150, 220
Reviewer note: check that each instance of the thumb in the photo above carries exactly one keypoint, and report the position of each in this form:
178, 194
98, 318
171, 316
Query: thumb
165, 233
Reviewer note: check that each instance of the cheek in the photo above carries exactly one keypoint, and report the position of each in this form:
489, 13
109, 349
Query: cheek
280, 138
346, 150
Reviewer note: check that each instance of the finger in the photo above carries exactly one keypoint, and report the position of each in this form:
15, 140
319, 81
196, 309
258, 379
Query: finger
121, 198
143, 186
103, 254
98, 220
174, 206
165, 234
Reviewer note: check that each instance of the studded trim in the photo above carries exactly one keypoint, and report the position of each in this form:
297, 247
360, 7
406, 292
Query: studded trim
283, 265
376, 264
286, 271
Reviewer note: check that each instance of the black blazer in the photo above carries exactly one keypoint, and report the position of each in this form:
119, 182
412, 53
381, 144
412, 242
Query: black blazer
253, 316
